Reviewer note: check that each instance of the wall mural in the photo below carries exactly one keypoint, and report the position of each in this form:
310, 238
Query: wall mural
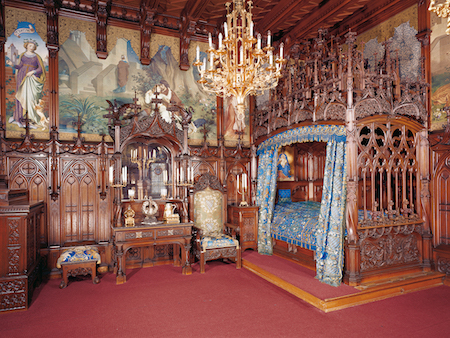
229, 122
285, 164
440, 72
86, 82
26, 59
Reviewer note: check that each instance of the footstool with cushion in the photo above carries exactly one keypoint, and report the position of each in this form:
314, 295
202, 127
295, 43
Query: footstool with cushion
78, 260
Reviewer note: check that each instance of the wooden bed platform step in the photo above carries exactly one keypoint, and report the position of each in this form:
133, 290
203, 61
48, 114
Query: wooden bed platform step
365, 293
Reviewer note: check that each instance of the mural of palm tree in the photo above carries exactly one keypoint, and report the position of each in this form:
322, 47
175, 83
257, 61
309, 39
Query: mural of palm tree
91, 115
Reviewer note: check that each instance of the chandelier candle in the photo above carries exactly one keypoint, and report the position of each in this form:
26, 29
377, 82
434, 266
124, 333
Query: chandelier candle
240, 66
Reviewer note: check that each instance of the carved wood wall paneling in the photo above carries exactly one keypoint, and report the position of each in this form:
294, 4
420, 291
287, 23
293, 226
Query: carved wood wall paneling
31, 173
79, 200
206, 166
441, 205
310, 160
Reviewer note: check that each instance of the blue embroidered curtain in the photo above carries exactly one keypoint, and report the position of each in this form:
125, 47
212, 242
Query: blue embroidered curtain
265, 197
330, 232
331, 229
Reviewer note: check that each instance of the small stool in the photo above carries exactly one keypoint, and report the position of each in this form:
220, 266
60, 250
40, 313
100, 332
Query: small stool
79, 260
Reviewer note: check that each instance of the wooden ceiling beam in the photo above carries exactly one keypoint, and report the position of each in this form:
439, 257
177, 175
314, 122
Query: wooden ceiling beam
371, 15
279, 13
195, 8
318, 18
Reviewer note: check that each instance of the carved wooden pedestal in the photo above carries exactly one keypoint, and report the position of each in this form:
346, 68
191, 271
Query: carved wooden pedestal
246, 218
20, 260
79, 268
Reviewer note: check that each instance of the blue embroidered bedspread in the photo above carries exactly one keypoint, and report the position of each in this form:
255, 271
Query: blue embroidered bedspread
295, 223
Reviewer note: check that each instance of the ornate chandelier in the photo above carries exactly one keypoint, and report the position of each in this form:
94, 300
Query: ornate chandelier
239, 67
442, 11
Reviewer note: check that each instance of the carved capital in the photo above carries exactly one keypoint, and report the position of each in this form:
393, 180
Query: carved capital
187, 29
52, 11
147, 22
102, 9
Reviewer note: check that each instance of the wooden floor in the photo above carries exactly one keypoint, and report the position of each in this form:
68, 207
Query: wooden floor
369, 292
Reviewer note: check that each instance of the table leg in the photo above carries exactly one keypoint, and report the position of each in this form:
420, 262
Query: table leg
176, 255
120, 257
186, 260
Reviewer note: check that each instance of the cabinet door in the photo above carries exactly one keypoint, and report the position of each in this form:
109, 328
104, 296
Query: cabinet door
79, 204
442, 235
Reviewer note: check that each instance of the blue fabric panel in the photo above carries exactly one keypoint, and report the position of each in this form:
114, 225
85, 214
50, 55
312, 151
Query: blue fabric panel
284, 196
296, 223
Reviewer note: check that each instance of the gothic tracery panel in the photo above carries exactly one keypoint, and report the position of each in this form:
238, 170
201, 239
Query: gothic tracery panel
79, 203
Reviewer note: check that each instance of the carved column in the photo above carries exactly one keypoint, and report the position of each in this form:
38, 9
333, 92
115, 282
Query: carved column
423, 150
423, 156
423, 36
352, 254
147, 22
52, 11
101, 16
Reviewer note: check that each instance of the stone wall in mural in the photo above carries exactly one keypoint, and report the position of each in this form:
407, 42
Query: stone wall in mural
86, 82
26, 71
440, 72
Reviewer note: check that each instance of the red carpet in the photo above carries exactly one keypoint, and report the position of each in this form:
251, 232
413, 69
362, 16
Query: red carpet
297, 275
224, 302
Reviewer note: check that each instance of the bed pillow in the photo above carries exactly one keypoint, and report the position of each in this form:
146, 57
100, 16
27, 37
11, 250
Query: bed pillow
284, 196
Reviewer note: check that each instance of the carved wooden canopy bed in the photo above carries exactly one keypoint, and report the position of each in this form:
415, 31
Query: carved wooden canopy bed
373, 219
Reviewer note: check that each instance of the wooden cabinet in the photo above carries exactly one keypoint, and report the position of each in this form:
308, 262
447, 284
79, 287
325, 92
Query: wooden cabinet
247, 220
20, 226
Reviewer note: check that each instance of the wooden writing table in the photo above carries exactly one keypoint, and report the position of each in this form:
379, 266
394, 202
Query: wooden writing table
158, 234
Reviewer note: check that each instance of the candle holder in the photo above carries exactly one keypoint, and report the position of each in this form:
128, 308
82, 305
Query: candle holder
131, 194
243, 203
243, 191
111, 178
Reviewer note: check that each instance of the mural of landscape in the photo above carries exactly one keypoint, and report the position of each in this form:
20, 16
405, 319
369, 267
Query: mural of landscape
26, 70
440, 72
86, 82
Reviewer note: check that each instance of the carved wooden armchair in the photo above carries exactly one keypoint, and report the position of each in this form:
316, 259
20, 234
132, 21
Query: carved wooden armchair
213, 237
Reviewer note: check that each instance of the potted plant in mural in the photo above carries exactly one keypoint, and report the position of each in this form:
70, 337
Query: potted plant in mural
90, 115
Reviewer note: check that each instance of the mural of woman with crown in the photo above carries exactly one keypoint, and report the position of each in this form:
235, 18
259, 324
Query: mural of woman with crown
30, 78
